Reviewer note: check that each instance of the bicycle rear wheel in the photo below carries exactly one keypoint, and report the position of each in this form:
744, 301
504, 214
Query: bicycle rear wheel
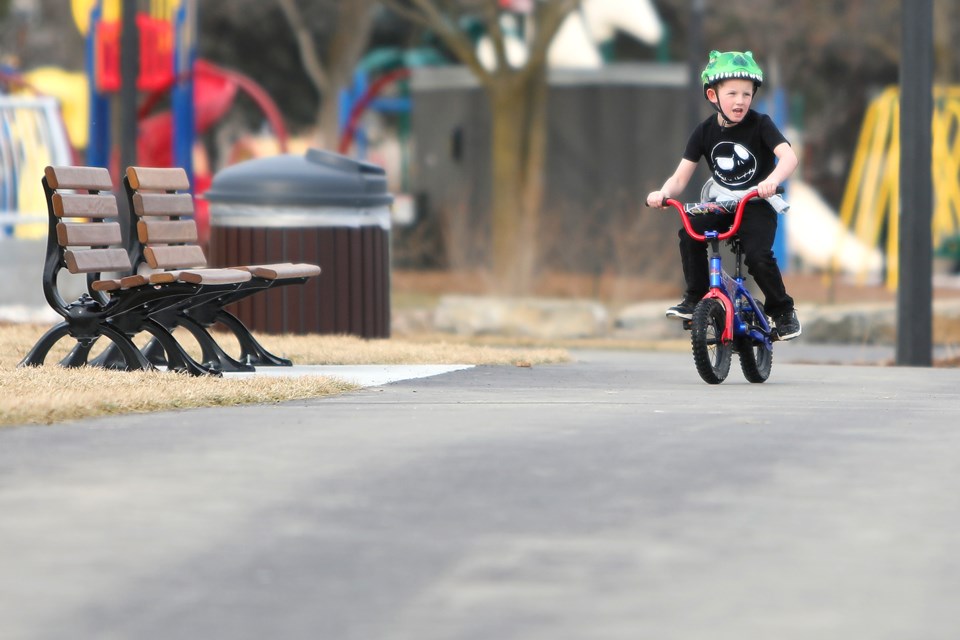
756, 360
710, 353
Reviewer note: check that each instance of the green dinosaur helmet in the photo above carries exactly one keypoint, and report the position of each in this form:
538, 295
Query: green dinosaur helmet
731, 64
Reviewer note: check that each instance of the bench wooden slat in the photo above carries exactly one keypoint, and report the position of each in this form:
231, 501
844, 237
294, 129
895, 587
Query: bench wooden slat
167, 231
76, 205
283, 270
94, 234
94, 260
158, 179
136, 280
214, 276
163, 277
163, 204
89, 178
175, 257
106, 285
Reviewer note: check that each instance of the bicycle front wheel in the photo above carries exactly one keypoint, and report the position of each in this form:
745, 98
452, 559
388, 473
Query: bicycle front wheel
710, 353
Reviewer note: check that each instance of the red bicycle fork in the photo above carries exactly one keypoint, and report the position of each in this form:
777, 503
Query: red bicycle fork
717, 290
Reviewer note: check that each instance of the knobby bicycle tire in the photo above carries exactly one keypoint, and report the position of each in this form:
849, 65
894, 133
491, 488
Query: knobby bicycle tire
756, 359
710, 353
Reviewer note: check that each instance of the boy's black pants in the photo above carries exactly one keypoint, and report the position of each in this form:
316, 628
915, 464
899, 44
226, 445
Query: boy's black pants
757, 232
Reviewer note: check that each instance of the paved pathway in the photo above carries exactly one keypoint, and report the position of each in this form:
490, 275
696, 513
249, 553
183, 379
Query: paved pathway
615, 497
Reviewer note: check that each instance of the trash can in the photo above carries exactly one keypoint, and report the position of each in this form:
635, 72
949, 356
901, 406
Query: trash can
320, 208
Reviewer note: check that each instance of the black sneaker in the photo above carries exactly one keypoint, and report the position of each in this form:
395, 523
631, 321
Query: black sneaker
684, 310
788, 326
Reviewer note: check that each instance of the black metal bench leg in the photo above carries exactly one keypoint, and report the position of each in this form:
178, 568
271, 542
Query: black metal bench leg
164, 351
213, 353
110, 358
175, 357
250, 350
80, 353
155, 353
131, 355
36, 356
130, 358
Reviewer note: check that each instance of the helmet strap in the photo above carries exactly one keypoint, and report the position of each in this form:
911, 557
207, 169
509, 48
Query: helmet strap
725, 121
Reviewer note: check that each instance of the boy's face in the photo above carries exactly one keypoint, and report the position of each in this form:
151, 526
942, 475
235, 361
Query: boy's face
734, 97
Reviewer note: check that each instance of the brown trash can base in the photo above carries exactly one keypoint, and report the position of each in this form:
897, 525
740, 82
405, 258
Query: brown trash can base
350, 296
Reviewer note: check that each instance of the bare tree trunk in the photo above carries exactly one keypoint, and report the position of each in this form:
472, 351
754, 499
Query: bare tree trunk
518, 113
535, 169
517, 99
507, 170
354, 23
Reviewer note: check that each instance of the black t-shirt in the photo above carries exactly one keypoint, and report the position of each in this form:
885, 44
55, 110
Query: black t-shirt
740, 156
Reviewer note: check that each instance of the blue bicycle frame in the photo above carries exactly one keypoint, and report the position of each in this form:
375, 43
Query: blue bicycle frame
730, 291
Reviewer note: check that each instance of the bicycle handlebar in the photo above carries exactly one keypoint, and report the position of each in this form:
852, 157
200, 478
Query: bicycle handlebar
737, 216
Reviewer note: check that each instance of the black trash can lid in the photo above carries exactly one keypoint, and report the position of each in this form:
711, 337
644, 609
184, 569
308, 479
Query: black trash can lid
317, 178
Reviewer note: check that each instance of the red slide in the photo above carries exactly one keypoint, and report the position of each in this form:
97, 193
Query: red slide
215, 89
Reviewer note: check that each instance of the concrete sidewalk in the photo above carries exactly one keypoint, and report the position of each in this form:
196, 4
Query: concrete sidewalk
371, 375
611, 498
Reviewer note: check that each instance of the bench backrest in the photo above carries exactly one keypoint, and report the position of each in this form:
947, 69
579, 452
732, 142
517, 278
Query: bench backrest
85, 219
163, 211
84, 234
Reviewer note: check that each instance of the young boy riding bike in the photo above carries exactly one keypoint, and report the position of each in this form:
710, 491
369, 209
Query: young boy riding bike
744, 150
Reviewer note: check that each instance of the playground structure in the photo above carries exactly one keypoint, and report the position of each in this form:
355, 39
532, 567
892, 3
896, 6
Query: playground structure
871, 202
167, 52
200, 95
51, 116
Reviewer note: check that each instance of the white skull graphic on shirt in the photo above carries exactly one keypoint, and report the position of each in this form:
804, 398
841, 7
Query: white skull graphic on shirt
733, 164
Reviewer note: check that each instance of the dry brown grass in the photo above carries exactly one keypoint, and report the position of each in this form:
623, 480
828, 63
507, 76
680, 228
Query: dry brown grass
43, 395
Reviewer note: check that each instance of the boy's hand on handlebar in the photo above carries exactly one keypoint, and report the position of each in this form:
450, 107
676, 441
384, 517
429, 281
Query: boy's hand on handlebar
768, 188
656, 199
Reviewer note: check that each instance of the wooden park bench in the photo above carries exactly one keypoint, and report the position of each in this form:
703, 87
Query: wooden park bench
85, 237
163, 242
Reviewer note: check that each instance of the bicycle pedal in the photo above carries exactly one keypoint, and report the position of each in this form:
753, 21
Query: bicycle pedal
687, 324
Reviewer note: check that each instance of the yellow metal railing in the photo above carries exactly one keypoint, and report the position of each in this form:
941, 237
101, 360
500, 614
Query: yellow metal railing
871, 199
31, 137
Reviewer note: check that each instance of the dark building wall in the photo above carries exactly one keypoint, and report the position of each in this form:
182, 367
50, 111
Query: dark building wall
614, 135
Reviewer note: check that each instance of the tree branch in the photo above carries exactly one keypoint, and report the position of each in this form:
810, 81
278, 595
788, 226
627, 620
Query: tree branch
407, 13
350, 39
312, 63
497, 38
550, 15
446, 25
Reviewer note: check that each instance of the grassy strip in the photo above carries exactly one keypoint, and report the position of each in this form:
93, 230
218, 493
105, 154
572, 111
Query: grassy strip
44, 395
51, 394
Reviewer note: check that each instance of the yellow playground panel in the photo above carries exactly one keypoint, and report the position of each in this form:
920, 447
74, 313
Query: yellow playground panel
31, 137
871, 200
110, 11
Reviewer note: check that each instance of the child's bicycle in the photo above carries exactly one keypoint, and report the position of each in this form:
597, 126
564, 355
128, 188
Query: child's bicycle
728, 318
